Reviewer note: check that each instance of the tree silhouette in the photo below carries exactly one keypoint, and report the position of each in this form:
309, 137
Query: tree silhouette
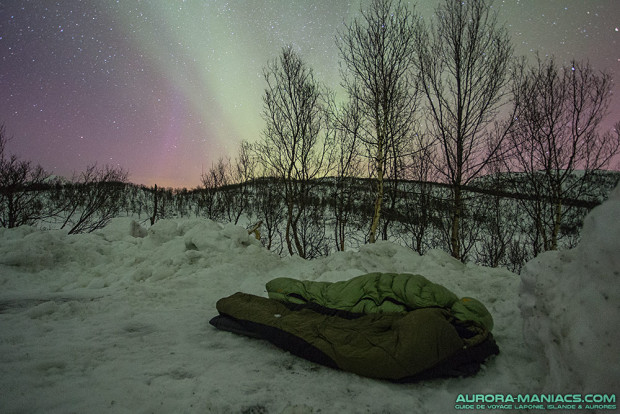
296, 145
378, 53
21, 189
464, 64
556, 133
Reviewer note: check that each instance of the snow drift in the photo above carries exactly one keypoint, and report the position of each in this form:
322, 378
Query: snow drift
570, 302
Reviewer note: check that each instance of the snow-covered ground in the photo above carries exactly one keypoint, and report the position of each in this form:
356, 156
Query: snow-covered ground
117, 322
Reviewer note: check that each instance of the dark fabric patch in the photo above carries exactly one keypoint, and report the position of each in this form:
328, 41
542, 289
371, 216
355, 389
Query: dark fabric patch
277, 337
463, 363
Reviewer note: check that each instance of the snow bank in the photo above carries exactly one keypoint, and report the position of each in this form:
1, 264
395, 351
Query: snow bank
570, 302
117, 322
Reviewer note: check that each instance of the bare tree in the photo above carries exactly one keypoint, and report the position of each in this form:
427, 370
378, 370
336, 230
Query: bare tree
419, 208
22, 187
347, 124
156, 196
270, 211
242, 172
3, 141
378, 54
555, 134
93, 198
231, 204
161, 202
464, 70
181, 202
226, 194
296, 144
211, 194
498, 218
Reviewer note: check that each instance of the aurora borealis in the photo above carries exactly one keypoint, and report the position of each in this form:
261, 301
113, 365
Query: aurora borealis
164, 88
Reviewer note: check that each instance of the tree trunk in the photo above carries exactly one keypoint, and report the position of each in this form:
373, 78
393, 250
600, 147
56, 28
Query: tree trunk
455, 240
294, 226
557, 220
154, 217
12, 212
379, 200
289, 222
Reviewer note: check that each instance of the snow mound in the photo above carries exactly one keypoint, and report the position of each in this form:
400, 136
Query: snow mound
117, 321
122, 253
570, 303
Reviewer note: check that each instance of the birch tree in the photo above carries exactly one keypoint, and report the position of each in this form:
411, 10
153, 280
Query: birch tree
347, 124
296, 144
464, 62
377, 52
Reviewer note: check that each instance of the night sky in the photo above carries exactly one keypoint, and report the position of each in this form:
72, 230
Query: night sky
163, 88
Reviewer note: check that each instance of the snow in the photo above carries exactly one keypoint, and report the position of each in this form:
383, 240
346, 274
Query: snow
116, 321
570, 301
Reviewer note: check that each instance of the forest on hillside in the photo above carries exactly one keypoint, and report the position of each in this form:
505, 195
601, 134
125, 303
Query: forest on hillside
503, 224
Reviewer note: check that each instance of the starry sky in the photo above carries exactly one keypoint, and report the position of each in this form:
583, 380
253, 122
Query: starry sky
163, 88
